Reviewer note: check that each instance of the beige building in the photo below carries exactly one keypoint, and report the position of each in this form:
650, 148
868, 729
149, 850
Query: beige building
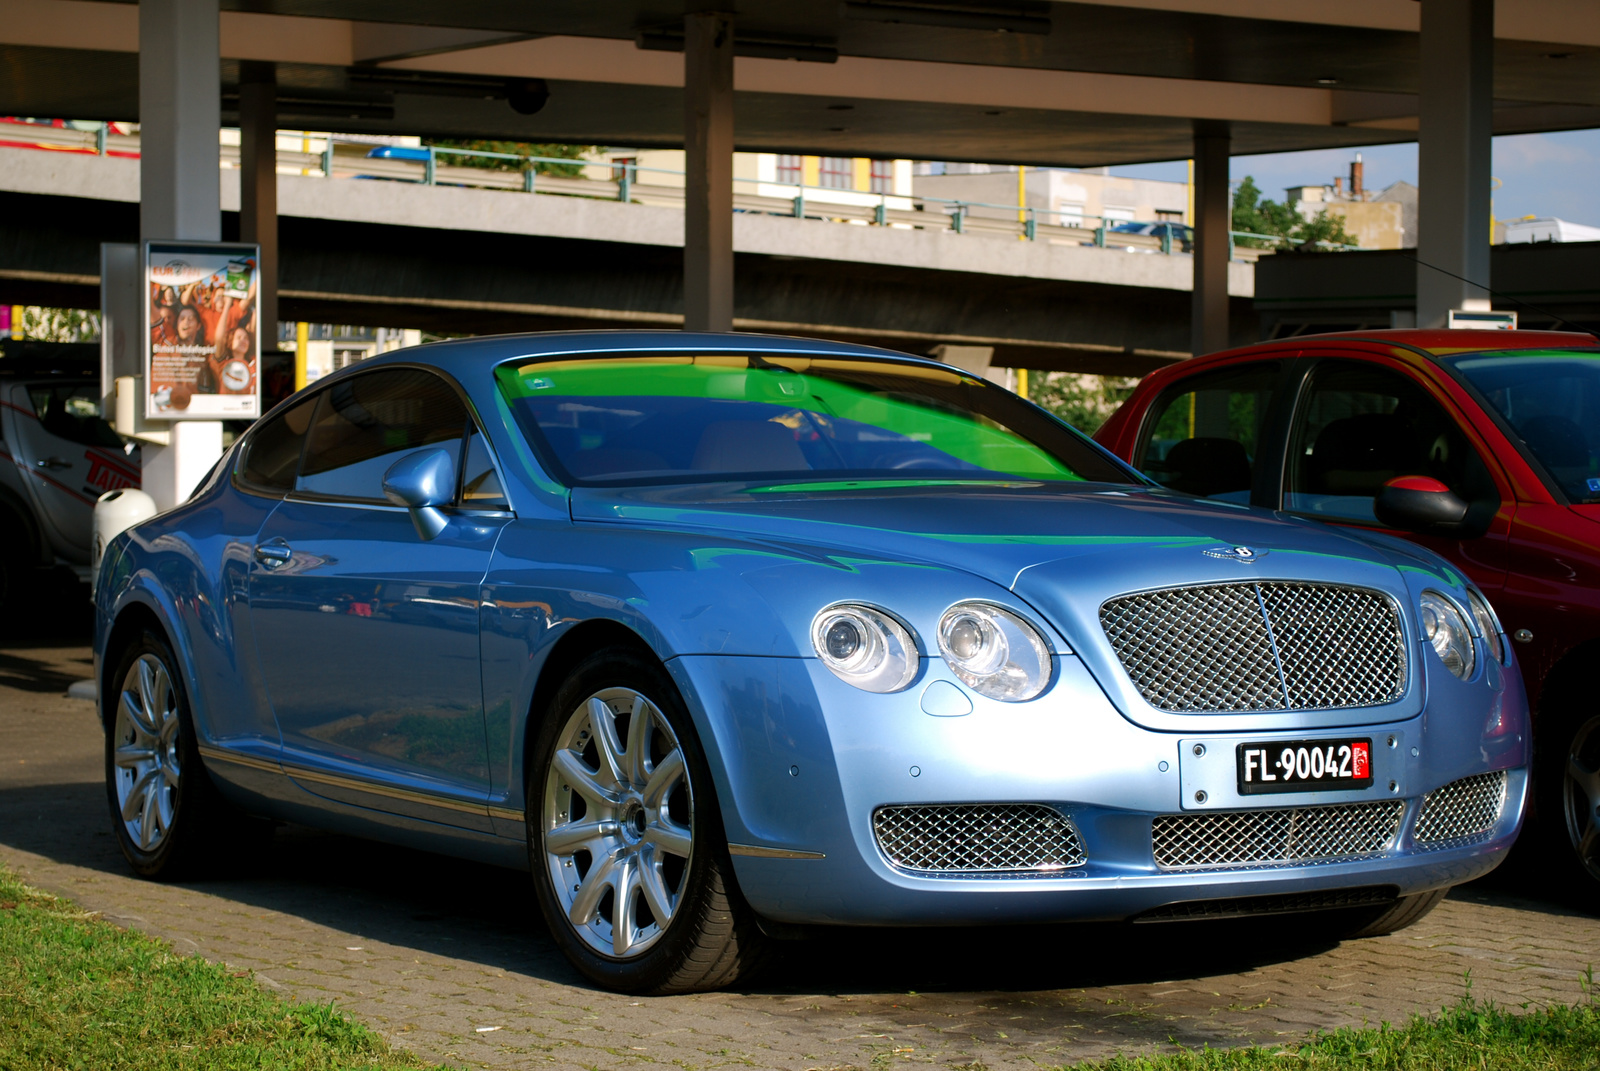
1059, 196
1383, 220
854, 180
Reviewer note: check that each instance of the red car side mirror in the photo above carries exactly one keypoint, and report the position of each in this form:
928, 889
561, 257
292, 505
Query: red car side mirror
1421, 504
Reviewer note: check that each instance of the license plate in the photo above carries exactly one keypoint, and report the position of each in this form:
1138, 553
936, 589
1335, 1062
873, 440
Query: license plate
1305, 765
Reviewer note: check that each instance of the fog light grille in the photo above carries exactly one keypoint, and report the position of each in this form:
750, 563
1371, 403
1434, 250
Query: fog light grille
1266, 646
977, 839
1282, 836
1463, 810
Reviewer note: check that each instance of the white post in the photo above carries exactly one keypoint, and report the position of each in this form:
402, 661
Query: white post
180, 196
1454, 146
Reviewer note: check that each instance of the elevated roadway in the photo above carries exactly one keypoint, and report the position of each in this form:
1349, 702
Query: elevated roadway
450, 259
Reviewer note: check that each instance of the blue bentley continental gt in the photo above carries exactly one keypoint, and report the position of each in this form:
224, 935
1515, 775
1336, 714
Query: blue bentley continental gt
722, 636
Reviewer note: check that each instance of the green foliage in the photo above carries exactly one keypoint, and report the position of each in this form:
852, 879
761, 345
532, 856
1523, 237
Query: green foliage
1258, 216
60, 325
519, 148
79, 993
1471, 1034
1084, 401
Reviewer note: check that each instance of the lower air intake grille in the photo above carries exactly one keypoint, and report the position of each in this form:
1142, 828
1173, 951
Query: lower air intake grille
976, 839
1463, 810
1283, 836
1282, 904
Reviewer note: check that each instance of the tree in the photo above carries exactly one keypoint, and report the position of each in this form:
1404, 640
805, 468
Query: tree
1257, 216
1082, 400
518, 148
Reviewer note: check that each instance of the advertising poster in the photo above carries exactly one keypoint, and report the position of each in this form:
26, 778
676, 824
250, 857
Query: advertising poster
203, 355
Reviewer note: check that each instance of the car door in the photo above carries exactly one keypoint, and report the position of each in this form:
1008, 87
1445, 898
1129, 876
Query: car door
367, 634
71, 455
1359, 423
1214, 433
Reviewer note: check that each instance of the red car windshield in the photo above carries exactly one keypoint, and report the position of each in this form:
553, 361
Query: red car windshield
1551, 400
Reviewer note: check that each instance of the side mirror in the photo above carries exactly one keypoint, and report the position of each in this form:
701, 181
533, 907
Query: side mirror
423, 482
1421, 504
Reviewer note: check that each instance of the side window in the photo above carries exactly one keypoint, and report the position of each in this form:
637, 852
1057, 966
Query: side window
480, 484
1202, 436
273, 453
1361, 425
366, 423
73, 413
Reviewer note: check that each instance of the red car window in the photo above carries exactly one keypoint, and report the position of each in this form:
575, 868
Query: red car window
1203, 434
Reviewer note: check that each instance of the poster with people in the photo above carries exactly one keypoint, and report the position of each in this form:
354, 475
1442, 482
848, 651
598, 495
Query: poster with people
203, 360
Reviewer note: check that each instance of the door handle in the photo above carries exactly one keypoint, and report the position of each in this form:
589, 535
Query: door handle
52, 463
274, 553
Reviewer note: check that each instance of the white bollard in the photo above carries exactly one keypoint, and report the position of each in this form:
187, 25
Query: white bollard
114, 512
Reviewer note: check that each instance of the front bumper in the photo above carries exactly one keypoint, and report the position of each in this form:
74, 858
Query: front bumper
802, 762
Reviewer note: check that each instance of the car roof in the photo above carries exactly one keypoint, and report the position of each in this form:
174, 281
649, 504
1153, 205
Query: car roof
1432, 343
482, 352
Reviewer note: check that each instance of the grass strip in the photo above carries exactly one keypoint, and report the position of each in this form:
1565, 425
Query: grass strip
1476, 1035
79, 992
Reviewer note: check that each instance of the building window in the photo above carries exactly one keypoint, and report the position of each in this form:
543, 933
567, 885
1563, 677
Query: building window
882, 176
791, 169
837, 173
624, 167
1169, 215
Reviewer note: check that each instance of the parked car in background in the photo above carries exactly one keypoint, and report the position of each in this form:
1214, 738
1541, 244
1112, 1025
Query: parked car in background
1178, 237
728, 634
57, 455
1483, 446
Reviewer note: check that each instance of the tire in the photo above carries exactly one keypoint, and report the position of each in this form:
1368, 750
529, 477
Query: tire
661, 839
1567, 781
168, 818
1398, 915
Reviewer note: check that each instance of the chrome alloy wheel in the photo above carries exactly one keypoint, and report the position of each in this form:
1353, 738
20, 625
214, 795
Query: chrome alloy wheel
145, 742
618, 822
1580, 793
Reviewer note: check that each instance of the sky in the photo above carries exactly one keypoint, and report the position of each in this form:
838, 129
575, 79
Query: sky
1537, 174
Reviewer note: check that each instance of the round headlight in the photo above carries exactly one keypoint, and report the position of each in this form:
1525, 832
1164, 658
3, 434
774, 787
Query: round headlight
1447, 631
865, 647
994, 652
1488, 624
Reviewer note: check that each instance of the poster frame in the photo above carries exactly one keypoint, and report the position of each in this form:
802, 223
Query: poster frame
150, 248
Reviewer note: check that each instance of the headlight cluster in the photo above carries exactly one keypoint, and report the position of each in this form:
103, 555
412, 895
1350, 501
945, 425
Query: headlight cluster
1446, 629
992, 650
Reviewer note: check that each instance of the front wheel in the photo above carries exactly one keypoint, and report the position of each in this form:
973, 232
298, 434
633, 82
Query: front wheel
1398, 915
630, 866
1569, 807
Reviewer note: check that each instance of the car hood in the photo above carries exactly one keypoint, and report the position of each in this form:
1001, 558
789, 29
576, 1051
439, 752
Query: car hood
1003, 532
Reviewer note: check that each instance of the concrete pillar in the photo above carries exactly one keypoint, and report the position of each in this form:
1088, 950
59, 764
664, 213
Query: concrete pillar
1213, 222
708, 148
180, 113
1453, 157
258, 184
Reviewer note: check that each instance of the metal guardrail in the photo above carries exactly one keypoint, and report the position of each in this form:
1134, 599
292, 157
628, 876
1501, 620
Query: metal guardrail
346, 157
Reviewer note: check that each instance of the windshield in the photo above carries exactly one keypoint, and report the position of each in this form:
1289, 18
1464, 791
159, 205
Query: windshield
696, 419
1551, 399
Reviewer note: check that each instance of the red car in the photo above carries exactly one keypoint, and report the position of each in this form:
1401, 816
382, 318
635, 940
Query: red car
1483, 446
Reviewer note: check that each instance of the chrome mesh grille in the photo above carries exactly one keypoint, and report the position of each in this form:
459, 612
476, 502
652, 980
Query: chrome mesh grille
1281, 836
978, 838
1266, 646
1463, 810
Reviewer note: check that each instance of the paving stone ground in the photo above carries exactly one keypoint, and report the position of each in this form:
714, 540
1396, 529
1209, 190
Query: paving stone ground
450, 960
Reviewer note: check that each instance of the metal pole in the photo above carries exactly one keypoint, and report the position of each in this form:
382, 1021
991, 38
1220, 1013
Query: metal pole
1454, 147
258, 185
1209, 309
708, 193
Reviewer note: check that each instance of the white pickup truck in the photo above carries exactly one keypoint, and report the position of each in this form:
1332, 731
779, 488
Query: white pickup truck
57, 455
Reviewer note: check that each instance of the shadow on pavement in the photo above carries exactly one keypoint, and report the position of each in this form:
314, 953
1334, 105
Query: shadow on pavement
488, 915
